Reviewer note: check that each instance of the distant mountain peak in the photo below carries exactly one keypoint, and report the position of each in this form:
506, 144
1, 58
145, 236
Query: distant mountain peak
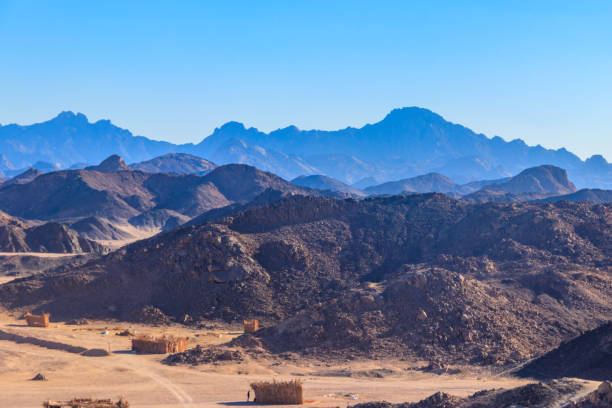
597, 161
231, 127
110, 164
411, 112
179, 163
71, 116
545, 179
23, 178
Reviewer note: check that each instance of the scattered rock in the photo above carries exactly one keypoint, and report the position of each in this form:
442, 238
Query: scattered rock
247, 341
600, 398
78, 322
151, 315
96, 352
39, 377
201, 355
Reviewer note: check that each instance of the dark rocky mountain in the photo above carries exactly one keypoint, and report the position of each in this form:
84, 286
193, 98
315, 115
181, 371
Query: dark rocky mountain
530, 184
111, 164
535, 395
587, 356
547, 180
23, 178
269, 196
178, 163
418, 275
406, 143
586, 194
428, 183
18, 236
320, 182
488, 196
145, 199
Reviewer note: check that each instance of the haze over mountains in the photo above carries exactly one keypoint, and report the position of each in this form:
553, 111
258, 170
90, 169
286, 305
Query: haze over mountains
494, 271
408, 142
115, 203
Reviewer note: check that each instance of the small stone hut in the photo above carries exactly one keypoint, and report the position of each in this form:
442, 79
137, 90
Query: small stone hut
37, 320
251, 326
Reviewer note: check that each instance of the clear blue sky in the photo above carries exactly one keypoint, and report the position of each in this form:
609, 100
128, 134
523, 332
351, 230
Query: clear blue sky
175, 70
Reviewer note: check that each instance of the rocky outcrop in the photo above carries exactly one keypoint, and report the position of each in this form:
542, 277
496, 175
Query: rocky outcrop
540, 395
110, 164
166, 200
17, 236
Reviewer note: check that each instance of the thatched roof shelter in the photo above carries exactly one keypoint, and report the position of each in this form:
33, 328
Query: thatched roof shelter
87, 403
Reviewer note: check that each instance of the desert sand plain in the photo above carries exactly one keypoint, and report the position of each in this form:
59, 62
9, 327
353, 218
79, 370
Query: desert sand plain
146, 382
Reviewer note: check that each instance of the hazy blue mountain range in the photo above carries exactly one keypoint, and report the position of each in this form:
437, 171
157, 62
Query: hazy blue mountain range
408, 142
179, 163
320, 182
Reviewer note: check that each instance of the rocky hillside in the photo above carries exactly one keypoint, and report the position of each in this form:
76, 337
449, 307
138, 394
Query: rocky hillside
17, 236
540, 395
531, 184
586, 194
547, 179
587, 356
112, 192
23, 178
422, 275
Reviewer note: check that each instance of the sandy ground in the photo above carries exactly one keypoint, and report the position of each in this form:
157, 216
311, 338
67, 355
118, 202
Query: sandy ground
145, 382
38, 254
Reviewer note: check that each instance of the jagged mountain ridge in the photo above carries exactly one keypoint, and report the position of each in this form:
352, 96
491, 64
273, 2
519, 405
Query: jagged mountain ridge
406, 143
118, 194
